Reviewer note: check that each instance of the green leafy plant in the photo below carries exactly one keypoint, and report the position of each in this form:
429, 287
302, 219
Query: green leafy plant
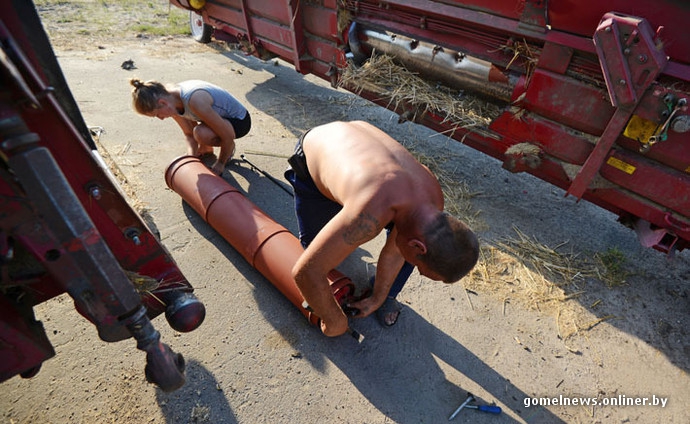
614, 263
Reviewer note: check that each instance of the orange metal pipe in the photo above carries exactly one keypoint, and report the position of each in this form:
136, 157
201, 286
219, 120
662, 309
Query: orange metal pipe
268, 246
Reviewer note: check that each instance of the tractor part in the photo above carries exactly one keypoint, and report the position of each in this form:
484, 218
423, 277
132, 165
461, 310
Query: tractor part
577, 98
266, 245
56, 229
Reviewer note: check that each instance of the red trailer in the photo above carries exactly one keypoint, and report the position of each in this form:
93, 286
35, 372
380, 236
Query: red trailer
591, 98
66, 227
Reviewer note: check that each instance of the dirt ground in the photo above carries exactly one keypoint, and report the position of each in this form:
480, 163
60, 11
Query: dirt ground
509, 334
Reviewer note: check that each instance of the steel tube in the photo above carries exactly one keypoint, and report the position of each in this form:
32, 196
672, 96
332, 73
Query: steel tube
453, 68
266, 245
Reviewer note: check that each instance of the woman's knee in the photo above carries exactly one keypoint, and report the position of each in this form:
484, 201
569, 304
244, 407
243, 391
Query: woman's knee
205, 135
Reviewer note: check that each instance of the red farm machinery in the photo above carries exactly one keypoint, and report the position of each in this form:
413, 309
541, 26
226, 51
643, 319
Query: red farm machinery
65, 224
588, 96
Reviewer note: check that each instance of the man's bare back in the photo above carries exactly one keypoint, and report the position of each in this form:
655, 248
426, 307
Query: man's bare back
348, 160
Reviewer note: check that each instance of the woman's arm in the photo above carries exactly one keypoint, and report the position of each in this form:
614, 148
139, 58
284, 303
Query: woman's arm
187, 127
201, 104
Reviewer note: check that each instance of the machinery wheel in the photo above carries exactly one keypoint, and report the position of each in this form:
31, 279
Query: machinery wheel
200, 31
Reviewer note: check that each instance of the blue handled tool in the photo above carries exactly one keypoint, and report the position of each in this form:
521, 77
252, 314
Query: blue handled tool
485, 408
491, 409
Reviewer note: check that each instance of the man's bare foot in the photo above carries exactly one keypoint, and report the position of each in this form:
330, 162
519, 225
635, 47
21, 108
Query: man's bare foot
389, 312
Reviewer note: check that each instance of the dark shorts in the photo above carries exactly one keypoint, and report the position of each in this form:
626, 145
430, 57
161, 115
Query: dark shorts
241, 126
312, 208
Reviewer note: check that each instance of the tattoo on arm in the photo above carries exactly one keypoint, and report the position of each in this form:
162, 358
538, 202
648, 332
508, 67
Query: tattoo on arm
362, 229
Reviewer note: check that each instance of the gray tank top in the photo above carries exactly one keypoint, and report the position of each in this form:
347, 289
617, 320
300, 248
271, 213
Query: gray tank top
223, 102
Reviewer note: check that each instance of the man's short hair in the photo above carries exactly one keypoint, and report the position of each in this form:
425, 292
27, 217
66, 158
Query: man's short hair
452, 248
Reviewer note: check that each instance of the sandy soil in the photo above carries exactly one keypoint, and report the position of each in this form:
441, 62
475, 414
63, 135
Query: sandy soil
510, 333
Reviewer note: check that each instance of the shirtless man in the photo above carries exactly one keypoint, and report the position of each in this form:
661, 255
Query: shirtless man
351, 182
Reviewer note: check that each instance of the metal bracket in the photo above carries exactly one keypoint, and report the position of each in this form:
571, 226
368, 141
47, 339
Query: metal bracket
631, 61
629, 56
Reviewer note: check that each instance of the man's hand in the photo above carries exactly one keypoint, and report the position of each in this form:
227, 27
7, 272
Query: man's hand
366, 306
336, 326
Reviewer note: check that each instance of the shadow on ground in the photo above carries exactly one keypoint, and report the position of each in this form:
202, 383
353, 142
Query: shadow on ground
652, 306
397, 371
199, 400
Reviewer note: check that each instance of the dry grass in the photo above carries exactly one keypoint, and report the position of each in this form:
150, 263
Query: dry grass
522, 52
127, 187
70, 18
142, 283
458, 195
149, 286
548, 279
403, 88
524, 270
615, 271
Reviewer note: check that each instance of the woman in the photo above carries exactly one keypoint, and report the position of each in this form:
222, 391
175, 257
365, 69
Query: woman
207, 114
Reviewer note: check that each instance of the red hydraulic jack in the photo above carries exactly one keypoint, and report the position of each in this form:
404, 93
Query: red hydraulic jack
268, 246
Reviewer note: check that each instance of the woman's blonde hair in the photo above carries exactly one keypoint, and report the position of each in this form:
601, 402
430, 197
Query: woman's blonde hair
145, 95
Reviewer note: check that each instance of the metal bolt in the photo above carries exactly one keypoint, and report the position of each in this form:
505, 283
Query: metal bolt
642, 58
622, 82
95, 192
133, 234
681, 124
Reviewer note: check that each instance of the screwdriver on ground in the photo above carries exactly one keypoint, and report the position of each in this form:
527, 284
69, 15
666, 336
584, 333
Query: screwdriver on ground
486, 408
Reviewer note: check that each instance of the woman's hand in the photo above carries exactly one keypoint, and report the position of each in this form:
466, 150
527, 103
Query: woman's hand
203, 149
218, 168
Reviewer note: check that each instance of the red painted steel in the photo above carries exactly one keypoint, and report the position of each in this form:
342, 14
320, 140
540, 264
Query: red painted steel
579, 66
552, 137
567, 101
65, 227
263, 243
633, 172
110, 212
